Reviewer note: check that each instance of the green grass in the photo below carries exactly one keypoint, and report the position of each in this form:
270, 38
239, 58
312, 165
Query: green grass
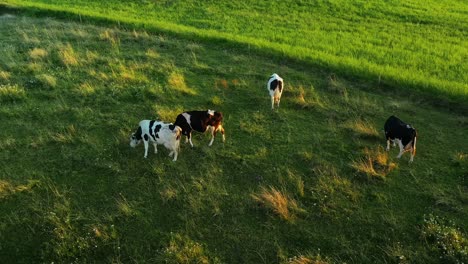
411, 45
72, 189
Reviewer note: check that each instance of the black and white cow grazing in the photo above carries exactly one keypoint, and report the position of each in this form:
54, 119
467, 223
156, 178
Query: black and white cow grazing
401, 133
275, 88
200, 121
159, 133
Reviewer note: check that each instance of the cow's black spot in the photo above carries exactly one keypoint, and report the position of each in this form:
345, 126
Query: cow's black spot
171, 127
146, 137
157, 128
273, 85
157, 135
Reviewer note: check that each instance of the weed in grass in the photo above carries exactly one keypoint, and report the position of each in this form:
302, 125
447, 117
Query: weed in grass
279, 202
11, 93
304, 98
216, 101
442, 236
125, 207
182, 249
331, 192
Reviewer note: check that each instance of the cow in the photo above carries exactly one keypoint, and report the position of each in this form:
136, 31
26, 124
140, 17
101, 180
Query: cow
159, 133
401, 133
275, 88
200, 121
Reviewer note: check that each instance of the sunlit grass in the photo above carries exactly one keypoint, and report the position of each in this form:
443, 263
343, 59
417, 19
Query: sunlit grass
10, 93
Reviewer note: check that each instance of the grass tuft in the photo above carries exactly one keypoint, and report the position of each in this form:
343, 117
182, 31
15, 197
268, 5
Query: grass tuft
4, 75
279, 202
38, 53
11, 93
68, 56
301, 259
182, 249
374, 164
46, 80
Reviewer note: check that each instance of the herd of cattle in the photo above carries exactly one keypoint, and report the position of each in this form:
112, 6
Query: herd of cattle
168, 134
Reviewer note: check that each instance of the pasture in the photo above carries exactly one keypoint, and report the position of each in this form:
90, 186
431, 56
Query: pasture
308, 183
412, 45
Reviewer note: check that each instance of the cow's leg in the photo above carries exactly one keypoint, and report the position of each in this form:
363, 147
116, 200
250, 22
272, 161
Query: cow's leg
146, 147
278, 101
155, 147
272, 102
402, 148
213, 132
175, 155
221, 128
413, 150
388, 144
394, 144
189, 135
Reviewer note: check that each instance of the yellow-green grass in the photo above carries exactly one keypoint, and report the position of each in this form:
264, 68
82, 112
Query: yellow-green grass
72, 189
401, 45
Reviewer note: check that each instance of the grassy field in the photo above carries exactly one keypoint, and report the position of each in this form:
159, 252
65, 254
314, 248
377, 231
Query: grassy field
412, 45
309, 183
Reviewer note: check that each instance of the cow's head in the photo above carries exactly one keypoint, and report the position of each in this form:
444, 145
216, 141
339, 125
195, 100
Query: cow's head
215, 119
135, 138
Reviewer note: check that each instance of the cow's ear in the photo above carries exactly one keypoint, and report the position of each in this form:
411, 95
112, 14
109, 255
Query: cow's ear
171, 127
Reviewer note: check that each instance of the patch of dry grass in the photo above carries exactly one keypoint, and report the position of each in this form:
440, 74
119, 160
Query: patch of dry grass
362, 128
7, 189
68, 56
374, 164
47, 80
38, 53
278, 202
301, 259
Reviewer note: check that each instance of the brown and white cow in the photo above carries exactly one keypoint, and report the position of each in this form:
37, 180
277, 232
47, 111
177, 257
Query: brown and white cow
200, 121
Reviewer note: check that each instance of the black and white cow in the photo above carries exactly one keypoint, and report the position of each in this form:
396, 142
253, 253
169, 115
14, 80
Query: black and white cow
159, 133
200, 121
275, 88
401, 133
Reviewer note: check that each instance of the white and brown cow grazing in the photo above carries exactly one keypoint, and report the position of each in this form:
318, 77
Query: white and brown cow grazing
275, 88
159, 133
401, 133
200, 121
